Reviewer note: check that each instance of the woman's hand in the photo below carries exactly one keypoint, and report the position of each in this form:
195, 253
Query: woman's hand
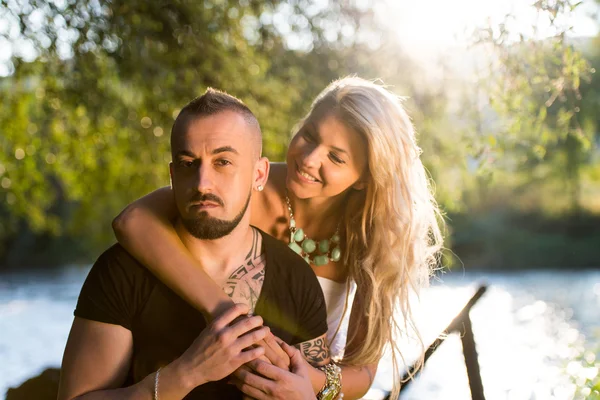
261, 380
274, 353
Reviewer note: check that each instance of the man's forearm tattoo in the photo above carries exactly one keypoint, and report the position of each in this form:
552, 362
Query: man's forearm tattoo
315, 351
245, 283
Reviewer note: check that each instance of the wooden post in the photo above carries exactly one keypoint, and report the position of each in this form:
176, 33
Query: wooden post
462, 325
470, 353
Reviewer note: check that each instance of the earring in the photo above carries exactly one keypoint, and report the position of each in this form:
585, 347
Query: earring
259, 188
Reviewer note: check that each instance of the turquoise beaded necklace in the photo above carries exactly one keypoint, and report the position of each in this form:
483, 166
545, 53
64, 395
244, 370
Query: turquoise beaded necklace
329, 249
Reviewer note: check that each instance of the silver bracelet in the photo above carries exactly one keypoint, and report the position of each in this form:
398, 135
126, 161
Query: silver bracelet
156, 376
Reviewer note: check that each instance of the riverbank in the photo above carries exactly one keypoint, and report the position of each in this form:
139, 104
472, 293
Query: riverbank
509, 240
479, 240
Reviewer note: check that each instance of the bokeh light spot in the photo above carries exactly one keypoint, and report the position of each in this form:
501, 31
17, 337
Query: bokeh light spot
254, 69
50, 158
146, 122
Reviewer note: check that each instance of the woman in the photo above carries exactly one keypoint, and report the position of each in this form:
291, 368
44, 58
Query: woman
353, 198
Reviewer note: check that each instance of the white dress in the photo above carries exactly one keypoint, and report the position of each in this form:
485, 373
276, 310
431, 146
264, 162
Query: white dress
335, 298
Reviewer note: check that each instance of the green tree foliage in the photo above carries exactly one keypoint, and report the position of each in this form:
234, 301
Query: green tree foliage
85, 121
535, 87
93, 88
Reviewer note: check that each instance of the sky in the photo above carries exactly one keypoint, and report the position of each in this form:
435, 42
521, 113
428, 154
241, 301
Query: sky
427, 27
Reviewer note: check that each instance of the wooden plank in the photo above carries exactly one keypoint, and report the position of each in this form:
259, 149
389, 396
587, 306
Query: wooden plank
462, 325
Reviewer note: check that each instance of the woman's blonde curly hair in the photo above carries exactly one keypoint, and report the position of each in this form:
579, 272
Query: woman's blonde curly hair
392, 226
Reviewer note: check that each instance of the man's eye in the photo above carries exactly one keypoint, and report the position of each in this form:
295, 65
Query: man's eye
222, 162
186, 163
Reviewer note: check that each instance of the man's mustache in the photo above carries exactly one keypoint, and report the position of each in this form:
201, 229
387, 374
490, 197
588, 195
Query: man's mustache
199, 197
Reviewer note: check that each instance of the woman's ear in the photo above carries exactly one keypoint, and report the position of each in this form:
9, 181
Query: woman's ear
359, 185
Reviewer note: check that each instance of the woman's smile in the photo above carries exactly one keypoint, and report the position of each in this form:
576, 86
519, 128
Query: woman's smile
304, 176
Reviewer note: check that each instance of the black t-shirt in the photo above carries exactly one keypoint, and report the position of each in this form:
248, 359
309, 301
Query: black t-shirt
120, 291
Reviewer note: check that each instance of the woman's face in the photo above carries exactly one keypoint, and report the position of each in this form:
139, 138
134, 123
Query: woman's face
325, 158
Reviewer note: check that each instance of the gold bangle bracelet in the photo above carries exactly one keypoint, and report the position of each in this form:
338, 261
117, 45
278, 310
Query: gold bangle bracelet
333, 382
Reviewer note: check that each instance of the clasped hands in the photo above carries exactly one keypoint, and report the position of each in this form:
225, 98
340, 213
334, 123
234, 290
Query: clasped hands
259, 364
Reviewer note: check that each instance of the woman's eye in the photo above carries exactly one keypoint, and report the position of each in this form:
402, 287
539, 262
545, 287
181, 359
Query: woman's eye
308, 137
335, 158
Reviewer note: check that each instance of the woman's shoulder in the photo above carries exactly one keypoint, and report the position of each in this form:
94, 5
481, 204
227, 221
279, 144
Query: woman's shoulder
274, 190
277, 175
267, 205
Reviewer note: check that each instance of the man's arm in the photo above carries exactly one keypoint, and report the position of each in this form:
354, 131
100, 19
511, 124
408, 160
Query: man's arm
96, 362
98, 356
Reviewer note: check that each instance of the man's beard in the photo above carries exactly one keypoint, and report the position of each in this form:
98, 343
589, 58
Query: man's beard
205, 227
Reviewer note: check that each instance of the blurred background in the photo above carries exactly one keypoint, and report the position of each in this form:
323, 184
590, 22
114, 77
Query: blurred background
505, 96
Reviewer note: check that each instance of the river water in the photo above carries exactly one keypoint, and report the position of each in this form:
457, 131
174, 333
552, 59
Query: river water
529, 328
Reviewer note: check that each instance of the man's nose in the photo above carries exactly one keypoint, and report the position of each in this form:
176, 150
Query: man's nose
204, 180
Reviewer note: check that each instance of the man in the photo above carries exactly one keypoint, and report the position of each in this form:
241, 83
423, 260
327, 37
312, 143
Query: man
132, 337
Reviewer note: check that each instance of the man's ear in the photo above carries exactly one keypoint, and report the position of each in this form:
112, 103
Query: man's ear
261, 173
